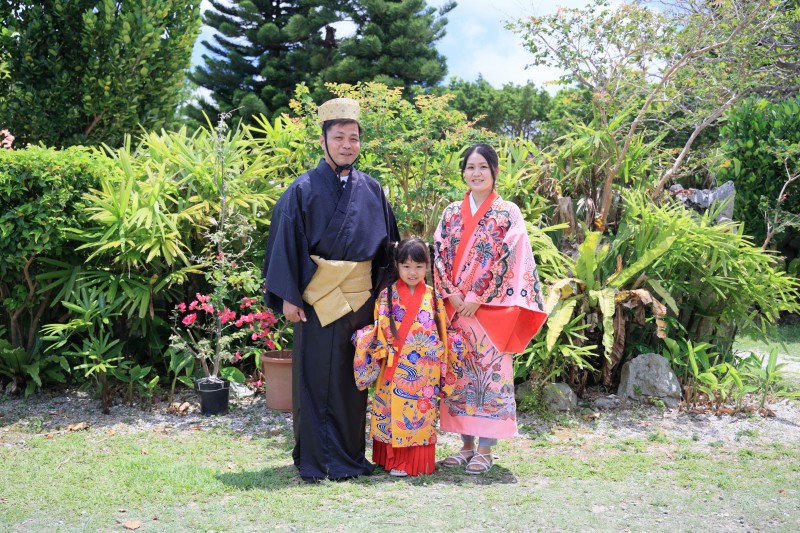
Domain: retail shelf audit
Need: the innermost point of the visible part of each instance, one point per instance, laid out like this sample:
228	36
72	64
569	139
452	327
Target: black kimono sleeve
287	262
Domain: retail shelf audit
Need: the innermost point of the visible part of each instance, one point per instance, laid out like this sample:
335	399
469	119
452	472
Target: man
326	259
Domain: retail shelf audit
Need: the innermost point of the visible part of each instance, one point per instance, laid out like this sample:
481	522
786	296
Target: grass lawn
787	341
217	480
567	474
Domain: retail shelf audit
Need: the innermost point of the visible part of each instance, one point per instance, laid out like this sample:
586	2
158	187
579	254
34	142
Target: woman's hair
488	153
416	250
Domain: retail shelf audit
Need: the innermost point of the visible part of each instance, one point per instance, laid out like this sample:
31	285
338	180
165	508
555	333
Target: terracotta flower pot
276	367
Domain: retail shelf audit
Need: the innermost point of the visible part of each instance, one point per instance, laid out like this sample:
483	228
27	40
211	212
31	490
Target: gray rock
239	390
702	200
560	397
526	387
652	375
606	403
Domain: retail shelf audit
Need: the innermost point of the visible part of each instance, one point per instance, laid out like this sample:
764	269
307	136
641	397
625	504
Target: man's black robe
315	216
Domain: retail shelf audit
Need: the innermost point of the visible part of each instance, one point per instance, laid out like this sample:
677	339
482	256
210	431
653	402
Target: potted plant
210	330
276	367
208	326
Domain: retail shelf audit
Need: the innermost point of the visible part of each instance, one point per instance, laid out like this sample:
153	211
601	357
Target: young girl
415	358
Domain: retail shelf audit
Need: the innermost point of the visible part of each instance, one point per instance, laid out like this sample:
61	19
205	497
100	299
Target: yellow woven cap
339	108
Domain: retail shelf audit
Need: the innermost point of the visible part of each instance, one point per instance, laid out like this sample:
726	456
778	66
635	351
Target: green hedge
752	132
40	202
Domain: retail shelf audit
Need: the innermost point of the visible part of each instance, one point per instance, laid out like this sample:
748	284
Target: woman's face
478	174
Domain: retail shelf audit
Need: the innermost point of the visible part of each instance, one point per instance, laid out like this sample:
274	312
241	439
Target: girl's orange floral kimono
412	371
487	258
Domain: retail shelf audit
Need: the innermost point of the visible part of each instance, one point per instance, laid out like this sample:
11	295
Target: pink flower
269	344
424	405
207	308
201	298
220	255
257	383
193	305
254	336
427	391
237	357
182	307
189	319
227	316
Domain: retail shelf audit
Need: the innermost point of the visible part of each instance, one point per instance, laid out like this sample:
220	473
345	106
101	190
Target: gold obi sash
338	287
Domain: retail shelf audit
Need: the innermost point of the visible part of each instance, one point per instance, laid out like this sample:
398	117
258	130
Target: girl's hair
416	250
488	153
411	248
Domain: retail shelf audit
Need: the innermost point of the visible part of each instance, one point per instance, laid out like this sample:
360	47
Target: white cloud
477	41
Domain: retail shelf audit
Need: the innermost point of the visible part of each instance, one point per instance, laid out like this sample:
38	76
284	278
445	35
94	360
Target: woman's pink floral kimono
487	258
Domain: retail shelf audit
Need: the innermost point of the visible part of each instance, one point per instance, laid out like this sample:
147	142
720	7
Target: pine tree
393	44
261	51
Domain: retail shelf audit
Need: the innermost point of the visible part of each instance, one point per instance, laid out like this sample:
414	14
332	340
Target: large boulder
701	200
560	397
649	374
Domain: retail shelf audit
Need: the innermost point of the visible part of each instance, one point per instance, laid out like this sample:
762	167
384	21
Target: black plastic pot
213	396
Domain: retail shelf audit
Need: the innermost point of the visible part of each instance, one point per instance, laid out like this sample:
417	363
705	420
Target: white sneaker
398	473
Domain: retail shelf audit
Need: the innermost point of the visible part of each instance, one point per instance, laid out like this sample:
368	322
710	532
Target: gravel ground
599	415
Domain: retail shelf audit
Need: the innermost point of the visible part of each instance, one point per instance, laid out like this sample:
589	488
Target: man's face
344	144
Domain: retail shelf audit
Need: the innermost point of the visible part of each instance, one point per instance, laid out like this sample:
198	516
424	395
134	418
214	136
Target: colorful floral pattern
485	389
498	269
405	410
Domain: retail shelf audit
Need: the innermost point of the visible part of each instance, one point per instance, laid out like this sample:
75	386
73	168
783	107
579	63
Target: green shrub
41	201
749	137
146	226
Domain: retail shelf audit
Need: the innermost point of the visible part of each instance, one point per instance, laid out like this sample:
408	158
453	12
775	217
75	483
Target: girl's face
478	174
412	272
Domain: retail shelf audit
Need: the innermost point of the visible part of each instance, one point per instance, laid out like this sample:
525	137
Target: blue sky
478	43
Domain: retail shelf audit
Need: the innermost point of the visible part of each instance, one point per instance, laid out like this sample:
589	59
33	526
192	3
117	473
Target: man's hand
293	313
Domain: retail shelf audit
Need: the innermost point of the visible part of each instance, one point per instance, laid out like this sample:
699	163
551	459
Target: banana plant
603	299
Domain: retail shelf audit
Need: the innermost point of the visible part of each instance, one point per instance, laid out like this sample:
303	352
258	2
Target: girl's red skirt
413	460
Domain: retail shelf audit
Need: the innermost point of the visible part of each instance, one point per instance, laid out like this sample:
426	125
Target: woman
487	275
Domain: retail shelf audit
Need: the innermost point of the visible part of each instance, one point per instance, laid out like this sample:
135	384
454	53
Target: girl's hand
469	309
457	302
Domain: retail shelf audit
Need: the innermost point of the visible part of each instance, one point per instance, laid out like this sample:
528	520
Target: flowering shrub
212	331
245	333
224	326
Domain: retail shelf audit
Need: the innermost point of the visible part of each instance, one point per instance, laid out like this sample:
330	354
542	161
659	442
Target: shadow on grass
271	478
443	476
280	477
